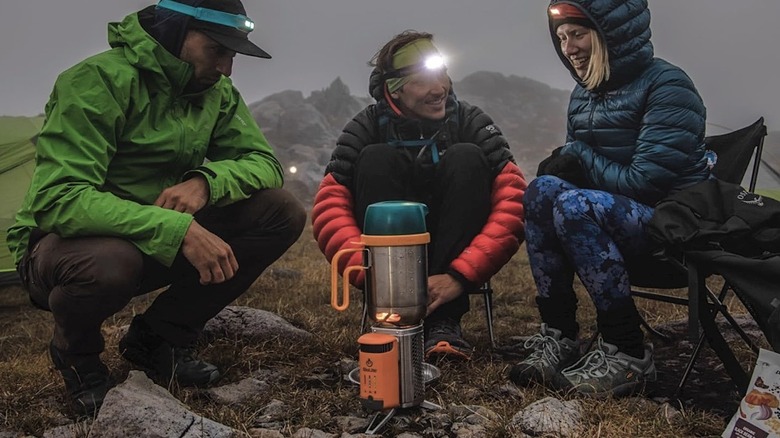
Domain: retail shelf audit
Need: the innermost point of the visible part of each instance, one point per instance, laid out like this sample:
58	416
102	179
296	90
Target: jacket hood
625	27
144	52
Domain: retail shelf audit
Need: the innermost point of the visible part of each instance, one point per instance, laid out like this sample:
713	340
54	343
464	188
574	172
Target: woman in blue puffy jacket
635	133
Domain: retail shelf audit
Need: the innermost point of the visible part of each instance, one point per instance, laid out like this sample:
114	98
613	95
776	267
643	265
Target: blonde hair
598	68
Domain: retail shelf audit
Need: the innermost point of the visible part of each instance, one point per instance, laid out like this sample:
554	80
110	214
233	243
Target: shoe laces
546	348
597	363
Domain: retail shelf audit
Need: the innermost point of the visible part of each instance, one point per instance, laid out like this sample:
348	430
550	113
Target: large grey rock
550	416
138	407
250	323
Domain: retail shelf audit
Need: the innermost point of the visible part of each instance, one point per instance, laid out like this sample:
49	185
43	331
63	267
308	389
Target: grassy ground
31	392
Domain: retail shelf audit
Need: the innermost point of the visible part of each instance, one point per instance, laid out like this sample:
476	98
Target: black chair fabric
734	151
669	269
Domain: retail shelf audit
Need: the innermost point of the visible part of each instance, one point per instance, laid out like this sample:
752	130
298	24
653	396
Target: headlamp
237	21
433	63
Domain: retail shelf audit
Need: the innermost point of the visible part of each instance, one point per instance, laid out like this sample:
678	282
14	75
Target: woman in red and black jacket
419	143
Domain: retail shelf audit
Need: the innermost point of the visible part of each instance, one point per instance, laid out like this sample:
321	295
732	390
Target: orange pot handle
334	278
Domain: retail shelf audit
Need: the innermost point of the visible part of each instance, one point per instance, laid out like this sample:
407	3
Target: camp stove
391	372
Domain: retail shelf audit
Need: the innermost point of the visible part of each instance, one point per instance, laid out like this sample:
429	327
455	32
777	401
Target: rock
669	412
265	433
477	415
266	375
550	416
511	390
250	323
466	430
68	431
238	392
272	415
305	432
351	424
346	365
138	407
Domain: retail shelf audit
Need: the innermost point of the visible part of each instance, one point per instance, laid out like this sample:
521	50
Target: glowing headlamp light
237	21
433	63
555	12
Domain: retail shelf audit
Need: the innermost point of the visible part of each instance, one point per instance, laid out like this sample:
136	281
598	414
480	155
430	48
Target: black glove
541	170
566	167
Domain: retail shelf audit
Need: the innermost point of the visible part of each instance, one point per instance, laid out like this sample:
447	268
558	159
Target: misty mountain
303	130
531	114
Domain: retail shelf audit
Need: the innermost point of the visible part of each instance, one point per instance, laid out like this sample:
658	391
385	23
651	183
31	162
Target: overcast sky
728	47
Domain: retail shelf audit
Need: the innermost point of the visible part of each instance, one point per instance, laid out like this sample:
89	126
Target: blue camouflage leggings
589	232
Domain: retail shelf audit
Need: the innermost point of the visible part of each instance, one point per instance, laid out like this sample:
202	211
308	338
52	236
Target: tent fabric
17	161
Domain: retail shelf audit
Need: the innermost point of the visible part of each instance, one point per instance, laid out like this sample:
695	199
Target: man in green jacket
150	172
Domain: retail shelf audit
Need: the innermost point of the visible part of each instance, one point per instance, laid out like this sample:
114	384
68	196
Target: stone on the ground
138	407
251	323
264	433
550	416
237	392
305	432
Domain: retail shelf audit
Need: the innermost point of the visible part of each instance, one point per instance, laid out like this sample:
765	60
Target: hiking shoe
86	380
157	357
444	337
550	354
606	371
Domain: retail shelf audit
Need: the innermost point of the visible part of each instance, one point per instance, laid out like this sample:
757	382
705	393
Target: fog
726	46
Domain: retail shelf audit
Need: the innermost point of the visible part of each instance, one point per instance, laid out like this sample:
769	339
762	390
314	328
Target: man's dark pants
85	280
456	191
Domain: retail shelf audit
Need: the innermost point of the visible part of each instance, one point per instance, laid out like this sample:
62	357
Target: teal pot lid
395	218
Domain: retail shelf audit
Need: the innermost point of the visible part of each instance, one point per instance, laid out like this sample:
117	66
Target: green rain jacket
119	129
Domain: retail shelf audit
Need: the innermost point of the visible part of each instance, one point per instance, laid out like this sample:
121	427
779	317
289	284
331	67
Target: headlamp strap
238	21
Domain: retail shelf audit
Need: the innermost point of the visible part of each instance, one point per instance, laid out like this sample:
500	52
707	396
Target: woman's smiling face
576	45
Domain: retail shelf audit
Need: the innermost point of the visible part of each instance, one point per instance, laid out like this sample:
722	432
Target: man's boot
86	380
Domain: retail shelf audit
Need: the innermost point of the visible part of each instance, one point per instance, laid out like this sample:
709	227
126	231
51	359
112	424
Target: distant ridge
303	130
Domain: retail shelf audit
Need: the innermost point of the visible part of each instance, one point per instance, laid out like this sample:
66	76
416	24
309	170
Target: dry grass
310	385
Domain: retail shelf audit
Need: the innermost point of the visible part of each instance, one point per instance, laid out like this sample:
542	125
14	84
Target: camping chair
486	290
674	271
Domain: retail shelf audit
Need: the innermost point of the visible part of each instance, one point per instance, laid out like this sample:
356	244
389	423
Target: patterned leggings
589	232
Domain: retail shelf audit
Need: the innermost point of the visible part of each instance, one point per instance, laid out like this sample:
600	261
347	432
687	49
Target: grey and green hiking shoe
606	371
550	355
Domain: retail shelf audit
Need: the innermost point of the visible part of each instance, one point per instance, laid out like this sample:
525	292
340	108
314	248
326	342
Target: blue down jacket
641	133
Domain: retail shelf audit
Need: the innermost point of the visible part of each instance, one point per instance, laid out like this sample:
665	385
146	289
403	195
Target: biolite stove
391	371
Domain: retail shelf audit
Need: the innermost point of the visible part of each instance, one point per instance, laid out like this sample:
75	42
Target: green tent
17	160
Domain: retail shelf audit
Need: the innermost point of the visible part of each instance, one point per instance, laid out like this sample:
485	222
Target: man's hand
186	197
210	255
442	288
